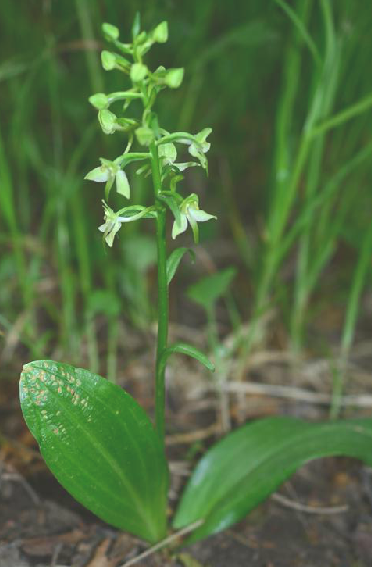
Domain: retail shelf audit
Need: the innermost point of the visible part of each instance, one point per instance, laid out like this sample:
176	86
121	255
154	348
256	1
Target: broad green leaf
174	259
100	445
209	289
248	465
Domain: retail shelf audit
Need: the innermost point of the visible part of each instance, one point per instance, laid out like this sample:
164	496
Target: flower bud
107	119
160	33
99	101
110	32
141	38
108	60
174	78
145	136
138	72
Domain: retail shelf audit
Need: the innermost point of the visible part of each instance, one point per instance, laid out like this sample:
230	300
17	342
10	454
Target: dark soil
320	517
37	532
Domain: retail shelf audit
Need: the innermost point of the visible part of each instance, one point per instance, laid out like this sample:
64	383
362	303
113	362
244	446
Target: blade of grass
326	80
286	175
362	268
9	214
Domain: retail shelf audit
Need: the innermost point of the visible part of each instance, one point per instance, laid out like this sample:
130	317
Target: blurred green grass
290	185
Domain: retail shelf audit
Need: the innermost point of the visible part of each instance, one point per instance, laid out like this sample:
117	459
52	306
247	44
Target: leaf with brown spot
100	445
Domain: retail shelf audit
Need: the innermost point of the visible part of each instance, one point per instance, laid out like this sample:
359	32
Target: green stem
162	297
175	136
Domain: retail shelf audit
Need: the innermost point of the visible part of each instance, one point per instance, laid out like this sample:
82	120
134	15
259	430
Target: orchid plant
96	439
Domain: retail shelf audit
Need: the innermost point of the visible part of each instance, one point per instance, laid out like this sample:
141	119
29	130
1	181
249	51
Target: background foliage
291	190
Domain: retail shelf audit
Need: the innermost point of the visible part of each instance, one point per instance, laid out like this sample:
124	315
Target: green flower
200	147
113	221
108	173
190	213
168	153
111	225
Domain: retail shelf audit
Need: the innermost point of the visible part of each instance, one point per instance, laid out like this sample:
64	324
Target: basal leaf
248	465
100	445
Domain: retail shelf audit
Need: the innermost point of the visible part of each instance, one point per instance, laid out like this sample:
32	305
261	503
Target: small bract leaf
160	33
138	72
136	26
126	124
189	350
113	61
141	39
159	73
172	203
174	260
100	445
174	78
99	101
245	467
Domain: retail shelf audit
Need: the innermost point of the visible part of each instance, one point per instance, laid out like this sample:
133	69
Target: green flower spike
190	213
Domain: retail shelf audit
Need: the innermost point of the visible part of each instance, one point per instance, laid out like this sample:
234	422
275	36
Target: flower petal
168	152
110	228
203	135
98	174
198	215
185	165
197	152
122	184
180	227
